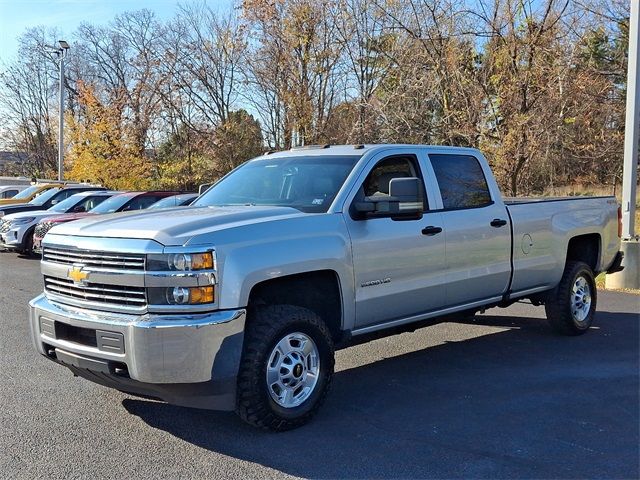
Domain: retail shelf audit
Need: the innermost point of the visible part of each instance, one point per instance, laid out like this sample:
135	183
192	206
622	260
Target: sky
18	15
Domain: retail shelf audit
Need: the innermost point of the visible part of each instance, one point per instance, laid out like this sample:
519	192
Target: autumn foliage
538	85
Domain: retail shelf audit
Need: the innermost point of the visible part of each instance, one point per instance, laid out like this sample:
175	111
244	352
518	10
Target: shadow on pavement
519	403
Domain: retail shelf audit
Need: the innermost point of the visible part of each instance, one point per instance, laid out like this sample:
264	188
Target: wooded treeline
538	85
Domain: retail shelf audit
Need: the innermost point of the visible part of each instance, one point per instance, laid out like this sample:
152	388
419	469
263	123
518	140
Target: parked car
16	229
9	191
239	300
47	199
122	202
27	195
181	200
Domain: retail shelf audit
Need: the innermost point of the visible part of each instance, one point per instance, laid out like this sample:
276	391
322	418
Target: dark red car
123	202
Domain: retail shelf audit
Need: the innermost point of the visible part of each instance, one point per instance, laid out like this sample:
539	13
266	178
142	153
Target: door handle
498	222
431	230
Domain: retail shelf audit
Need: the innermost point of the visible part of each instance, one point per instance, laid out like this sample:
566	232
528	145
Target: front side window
67	204
308	184
377	182
461	180
113	204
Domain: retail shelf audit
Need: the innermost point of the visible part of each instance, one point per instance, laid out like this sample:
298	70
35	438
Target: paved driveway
500	397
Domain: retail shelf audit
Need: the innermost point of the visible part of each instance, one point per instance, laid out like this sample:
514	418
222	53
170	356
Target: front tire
286	367
571	306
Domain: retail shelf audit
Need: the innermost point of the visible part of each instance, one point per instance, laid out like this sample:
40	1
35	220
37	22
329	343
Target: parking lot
500	397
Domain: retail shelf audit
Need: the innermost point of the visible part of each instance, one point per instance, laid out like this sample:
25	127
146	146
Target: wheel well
585	248
318	291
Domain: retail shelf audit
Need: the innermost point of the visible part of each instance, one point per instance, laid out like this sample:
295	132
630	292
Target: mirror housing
404	202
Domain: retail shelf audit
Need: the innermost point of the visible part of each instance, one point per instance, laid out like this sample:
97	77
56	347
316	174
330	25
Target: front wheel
571	306
286	368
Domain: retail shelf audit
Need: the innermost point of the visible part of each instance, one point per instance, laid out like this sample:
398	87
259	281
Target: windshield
67	204
27	192
43	197
308	184
113	204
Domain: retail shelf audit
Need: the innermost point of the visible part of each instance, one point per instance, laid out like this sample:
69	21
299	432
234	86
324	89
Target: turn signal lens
201	294
619	221
190	295
201	261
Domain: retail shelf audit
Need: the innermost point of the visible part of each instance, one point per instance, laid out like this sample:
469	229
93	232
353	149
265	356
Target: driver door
399	265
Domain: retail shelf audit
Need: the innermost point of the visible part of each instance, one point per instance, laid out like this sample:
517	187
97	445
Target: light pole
62	52
630	245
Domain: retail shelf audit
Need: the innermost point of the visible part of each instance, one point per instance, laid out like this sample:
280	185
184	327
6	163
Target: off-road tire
559	301
266	326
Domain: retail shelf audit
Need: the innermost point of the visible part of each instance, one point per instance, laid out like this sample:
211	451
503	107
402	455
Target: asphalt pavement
499	397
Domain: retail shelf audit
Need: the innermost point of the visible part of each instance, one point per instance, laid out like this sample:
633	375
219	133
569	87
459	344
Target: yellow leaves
101	150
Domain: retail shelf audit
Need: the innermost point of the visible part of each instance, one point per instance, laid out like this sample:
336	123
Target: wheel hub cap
293	369
580	299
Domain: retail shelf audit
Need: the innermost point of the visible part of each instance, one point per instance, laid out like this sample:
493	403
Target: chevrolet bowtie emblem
77	275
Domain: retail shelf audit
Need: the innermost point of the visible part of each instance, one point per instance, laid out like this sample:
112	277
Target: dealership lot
500	397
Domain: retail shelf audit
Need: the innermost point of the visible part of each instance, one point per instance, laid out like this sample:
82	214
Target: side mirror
404	202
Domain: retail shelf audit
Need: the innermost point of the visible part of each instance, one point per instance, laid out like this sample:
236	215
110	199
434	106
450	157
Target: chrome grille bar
94	259
115	295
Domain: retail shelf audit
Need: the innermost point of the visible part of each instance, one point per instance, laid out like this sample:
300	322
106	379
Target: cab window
377	182
461	180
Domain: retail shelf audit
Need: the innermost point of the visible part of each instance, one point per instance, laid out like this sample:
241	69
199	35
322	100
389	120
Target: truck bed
521	200
542	227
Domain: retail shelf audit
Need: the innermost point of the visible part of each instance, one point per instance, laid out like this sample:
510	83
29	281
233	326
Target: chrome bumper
155	348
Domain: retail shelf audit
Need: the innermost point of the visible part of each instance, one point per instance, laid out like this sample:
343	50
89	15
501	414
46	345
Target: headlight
181	295
180	262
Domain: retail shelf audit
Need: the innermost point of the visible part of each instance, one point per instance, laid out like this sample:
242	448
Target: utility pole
632	127
630	245
62	52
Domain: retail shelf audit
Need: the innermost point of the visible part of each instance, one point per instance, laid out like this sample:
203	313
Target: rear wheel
286	367
571	306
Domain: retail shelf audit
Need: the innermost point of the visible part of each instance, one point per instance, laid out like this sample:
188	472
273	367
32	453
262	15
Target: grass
600	285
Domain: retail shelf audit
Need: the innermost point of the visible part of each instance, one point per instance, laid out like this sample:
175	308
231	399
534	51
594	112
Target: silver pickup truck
239	301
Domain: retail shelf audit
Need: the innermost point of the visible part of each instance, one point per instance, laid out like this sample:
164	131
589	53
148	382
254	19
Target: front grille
118	261
116	295
5	226
41	229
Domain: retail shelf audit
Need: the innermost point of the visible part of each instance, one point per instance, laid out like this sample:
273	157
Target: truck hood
174	226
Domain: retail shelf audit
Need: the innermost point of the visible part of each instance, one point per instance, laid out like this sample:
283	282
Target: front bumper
12	239
186	359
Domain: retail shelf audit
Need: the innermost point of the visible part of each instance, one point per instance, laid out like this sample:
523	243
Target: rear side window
9	193
461	180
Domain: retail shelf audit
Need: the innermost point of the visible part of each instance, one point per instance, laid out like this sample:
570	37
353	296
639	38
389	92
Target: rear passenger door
477	230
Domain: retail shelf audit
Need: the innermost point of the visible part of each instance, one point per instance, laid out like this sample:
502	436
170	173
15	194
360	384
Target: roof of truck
320	150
